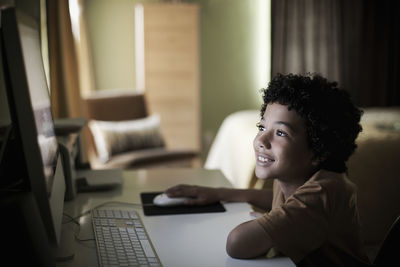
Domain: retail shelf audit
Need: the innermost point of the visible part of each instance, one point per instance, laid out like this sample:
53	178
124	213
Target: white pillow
113	137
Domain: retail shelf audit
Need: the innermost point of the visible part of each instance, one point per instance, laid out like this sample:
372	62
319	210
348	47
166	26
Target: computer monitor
30	110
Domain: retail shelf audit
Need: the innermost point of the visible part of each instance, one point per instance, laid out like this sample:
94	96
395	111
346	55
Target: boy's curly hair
332	120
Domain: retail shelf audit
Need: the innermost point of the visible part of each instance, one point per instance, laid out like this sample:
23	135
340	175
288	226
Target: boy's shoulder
335	188
325	190
332	181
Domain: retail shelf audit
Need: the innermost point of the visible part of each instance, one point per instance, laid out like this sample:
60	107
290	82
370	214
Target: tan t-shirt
318	222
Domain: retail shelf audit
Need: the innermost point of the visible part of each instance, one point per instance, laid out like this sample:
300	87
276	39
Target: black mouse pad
149	209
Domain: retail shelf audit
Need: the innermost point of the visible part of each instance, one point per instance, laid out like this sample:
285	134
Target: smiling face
281	147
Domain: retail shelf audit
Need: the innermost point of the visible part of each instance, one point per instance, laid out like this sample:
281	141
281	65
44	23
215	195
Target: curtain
64	77
305	37
353	42
71	75
82	47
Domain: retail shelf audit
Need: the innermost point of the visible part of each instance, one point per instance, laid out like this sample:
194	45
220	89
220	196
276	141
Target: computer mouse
162	200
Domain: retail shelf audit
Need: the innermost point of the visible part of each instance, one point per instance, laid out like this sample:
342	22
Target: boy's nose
263	140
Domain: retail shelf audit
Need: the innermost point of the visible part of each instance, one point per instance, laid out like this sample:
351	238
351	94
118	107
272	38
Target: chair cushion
114	137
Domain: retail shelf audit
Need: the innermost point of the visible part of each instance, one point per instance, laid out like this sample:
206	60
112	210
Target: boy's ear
317	161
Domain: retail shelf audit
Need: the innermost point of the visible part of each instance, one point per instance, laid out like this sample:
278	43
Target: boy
306	134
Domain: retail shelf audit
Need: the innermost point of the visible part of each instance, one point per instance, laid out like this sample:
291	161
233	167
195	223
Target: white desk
180	240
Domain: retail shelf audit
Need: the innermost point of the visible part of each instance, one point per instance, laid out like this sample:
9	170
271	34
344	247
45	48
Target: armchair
123	135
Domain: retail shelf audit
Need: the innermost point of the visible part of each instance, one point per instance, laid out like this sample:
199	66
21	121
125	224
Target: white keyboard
122	239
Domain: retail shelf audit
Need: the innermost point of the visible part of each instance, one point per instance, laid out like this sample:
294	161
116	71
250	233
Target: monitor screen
5	123
39	95
29	107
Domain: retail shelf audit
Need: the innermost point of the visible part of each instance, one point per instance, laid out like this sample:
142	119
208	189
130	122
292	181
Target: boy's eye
281	133
260	127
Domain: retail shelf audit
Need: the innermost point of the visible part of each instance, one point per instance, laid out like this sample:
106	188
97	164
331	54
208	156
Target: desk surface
180	240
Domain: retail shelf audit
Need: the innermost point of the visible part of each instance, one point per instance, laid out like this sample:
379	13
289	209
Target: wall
232	59
234	55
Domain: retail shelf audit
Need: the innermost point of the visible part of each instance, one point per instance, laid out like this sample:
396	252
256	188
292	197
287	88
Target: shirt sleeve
300	224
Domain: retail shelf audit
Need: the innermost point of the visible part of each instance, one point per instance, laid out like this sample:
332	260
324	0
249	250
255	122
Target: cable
76	222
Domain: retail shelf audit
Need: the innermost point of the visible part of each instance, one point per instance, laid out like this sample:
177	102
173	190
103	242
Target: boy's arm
261	198
248	240
205	195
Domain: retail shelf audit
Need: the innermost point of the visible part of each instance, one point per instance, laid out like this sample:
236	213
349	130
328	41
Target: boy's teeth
264	159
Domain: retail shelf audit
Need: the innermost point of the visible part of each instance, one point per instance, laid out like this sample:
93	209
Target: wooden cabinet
168	68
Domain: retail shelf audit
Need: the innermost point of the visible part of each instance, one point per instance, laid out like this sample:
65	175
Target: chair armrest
146	157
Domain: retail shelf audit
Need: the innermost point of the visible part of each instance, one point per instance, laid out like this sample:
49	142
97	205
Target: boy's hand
198	195
255	214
